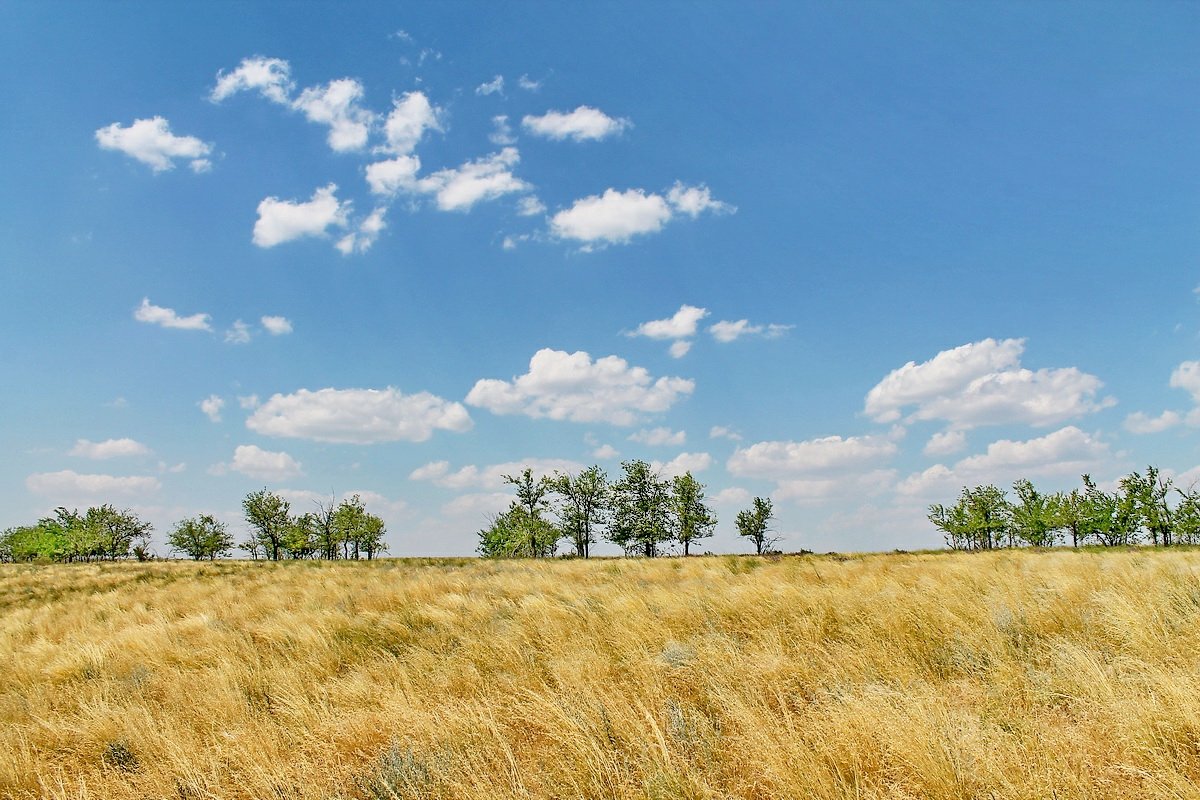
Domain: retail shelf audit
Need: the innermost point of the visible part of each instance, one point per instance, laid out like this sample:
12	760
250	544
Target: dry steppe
1056	674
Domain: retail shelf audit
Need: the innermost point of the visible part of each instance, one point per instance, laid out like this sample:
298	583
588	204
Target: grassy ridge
1006	674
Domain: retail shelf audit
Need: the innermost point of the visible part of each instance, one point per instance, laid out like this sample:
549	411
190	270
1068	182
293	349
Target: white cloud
781	460
211	406
358	416
502	133
680	325
109	448
266	465
238	333
494	86
376	503
725	331
1065	452
721	432
336	104
679	348
583	124
530	206
657	437
477	505
983	384
151	142
270	76
167	318
411	116
70	484
284	220
482	179
695	200
605	452
491	476
360	241
1187	377
394	175
945	443
570	386
684	462
528	84
732	496
614	217
248	402
854	487
1139	422
277	326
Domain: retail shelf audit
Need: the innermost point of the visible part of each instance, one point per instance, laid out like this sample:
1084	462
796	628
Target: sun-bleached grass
995	675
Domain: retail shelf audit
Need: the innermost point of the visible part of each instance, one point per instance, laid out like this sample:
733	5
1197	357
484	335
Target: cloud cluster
659	437
684	324
358	416
492	476
581	125
571	386
983	383
616	217
67	485
109	448
284	220
781	460
265	465
151	142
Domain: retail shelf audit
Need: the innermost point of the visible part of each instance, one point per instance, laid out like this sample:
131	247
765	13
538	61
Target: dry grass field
999	675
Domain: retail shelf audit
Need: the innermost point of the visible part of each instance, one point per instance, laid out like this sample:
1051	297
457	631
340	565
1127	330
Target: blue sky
851	256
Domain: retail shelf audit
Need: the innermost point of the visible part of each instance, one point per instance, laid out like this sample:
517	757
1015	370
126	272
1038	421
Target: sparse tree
1034	517
755	524
1148	495
358	529
200	538
584	506
693	519
1113	519
641	510
269	517
114	533
1070	509
955	524
516	534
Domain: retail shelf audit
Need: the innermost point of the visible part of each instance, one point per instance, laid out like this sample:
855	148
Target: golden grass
999	675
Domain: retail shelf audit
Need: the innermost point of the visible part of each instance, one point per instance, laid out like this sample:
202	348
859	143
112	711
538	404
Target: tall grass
994	675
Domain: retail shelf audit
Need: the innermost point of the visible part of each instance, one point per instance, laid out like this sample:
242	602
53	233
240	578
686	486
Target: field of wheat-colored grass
999	675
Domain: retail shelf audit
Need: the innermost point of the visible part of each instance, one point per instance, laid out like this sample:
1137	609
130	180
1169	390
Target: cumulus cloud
722	432
411	116
151	142
167	318
392	176
336	104
238	333
571	386
109	448
1139	422
502	132
1187	377
818	490
358	416
732	496
492	476
476	504
70	484
945	443
583	124
605	452
494	86
658	437
1063	453
780	460
983	383
528	84
211	406
276	326
282	221
679	348
682	463
695	200
265	465
482	179
725	331
530	206
271	77
680	325
361	240
616	217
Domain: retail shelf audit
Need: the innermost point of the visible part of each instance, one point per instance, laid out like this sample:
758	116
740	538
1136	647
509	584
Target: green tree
641	510
1187	517
755	524
693	519
1070	510
1148	495
516	534
1112	519
955	523
269	518
114	533
301	537
1035	517
360	531
989	515
584	506
40	542
201	537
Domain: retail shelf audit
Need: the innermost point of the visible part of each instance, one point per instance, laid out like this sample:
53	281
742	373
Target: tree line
1143	508
332	531
642	512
